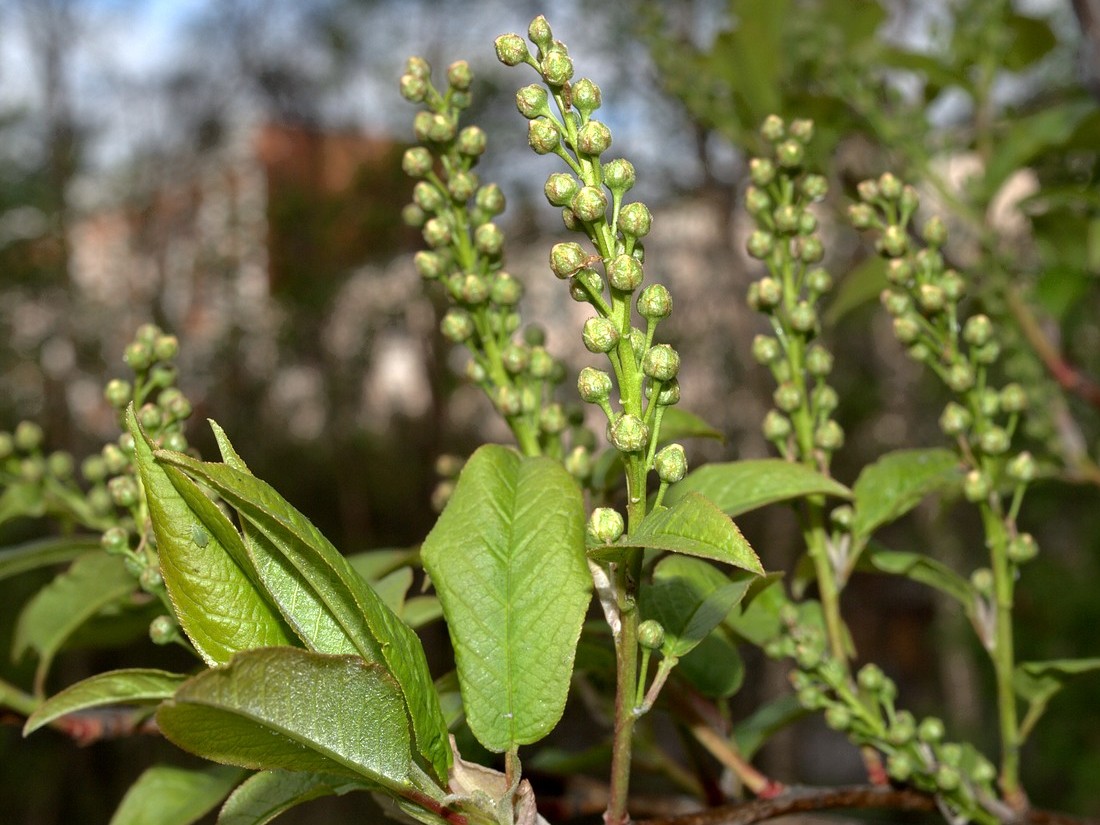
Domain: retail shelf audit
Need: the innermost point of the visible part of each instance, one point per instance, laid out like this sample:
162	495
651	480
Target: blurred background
230	170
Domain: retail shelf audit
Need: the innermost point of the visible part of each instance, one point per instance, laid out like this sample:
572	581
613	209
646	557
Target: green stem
15	699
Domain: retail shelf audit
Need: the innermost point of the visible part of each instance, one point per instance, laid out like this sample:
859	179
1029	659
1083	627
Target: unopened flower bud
28	436
994	441
437	233
776	426
790	153
909	200
457	325
976	486
552	419
430	265
661	363
557	68
629	434
757	201
766	349
151	580
1013	398
987	353
954	287
489	240
459	75
490	199
655	302
669	394
896	303
760	244
441	129
787	397
414	89
635	220
894	241
861	216
115	541
586	96
585	284
428	197
515	358
589	204
509	401
599	335
960	377
955	419
807	224
803	317
594	138
123	490
931	298
567	258
543	136
605	525
162	630
786	218
670	463
1022	549
539	32
138	356
625	273
93	469
651	635
506	290
814	187
579	463
474	289
772	130
829	436
934	232
761	172
619	175
471	141
819	361
511	49
561	188
533	102
842	517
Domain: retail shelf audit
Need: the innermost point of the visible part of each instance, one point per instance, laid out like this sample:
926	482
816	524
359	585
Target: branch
803	800
90	726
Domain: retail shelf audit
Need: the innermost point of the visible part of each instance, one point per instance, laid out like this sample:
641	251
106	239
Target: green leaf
392	588
921	568
92	583
322	597
739	486
677	423
758	622
694	526
43	553
287	708
689	598
203	562
1039	681
753	732
135	686
896	483
860	286
1032	40
374	564
21	499
167	795
266	795
507	559
421	610
714	667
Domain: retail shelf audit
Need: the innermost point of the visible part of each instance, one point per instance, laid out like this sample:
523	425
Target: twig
90	726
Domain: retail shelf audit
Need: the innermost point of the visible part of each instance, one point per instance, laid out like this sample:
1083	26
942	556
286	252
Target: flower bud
757	201
471	141
814	187
28	436
789	154
115	541
508	400
893	242
489	240
838	717
593	138
825	398
934	232
976	486
543	136
809	249
960	377
829	436
651	635
533	102
655	302
552	419
567	258
579	463
1013	398
954	287
931	298
511	49
907	329
93	469
989	402
473	289
896	303
987	353
629	434
176	442
625	273
994	441
586	96
1022	468
462	185
899	766
786	218
903	729
138	355
489	199
787	397
947	778
589	204
430	265
457	325
585	284
515	358
413	215
123	490
931	730
761	172
428	197
861	216
670	463
542	364
803	317
760	244
955	420
114	458
150	417
441	129
842	517
772	129
162	630
151	580
766	349
668	396
459	75
560	188
557	68
437	233
539	32
635	220
506	290
776	426
619	175
819	361
414	89
661	363
605	525
909	200
599	335
1022	549
801	129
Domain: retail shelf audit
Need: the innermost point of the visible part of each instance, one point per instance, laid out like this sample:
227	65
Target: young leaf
316	588
694	526
203	563
689	598
297	710
43	553
925	570
92	583
896	483
266	795
714	667
1039	682
167	795
507	558
135	686
739	486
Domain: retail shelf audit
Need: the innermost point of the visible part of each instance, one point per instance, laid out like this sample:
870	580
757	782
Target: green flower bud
772	130
150	417
909	200
903	730
1013	398
661	363
894	242
457	325
619	175
928	261
476	373
868	190
629	434
441	129
668	396
801	129
539	32
413	215
166	347
635	220
814	187
1022	468
988	353
32	469
761	172
162	630
459	75
561	188
151	580
511	50
651	635
899	272
552	419
506	290
760	244
787	397
994	441
808	249
861	216
931	730
430	265
947	778
115	541
418	67
960	377
542	363
508	401
138	356
567	258
176	442
625	273
766	350
579	463
571	221
599	335
757	201
786	218
589	204
489	240
989	402
807	223
655	302
533	102
414	89
983	771
437	233
586	96
776	426
605	525
557	68
422	126
428	197
819	361
123	490
829	436
803	317
471	141
954	287
896	303
594	138
899	766
790	153
955	420
115	459
28	436
489	199
825	398
584	284
100	500
93	469
976	486
1022	549
809	697
543	136
934	232
889	186
982	580
462	185
474	290
842	518
907	329
515	358
838	717
670	463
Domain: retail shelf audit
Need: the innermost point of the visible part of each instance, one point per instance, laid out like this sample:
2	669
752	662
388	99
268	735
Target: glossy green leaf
739	486
203	563
925	570
43	553
690	598
393	587
93	582
167	795
1039	681
266	795
714	667
507	559
374	564
287	708
134	686
421	610
758	621
694	526
896	483
322	597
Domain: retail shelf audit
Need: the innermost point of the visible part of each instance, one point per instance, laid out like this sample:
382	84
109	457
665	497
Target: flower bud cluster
780	200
